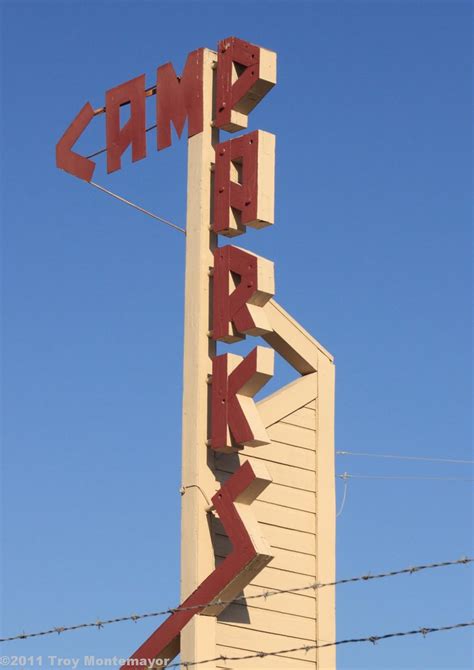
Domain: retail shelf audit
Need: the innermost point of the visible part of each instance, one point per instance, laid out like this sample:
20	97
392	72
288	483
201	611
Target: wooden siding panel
284	517
278	452
264	663
292	561
284	454
288	400
246	639
286	512
284	475
304	417
268	621
302	604
289	497
271	578
280	538
296	436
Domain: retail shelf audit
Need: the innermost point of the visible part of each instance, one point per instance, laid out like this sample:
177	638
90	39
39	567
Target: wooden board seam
267	460
258	630
287	486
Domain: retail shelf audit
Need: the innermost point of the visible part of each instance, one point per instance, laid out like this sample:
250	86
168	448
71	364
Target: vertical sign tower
295	513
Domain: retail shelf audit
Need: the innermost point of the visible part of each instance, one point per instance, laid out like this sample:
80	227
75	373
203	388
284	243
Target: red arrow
250	554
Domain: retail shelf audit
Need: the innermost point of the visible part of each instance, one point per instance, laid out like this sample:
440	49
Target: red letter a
133	132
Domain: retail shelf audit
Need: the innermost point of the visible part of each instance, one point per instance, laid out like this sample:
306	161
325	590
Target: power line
265	594
140	209
346	476
405	458
308	647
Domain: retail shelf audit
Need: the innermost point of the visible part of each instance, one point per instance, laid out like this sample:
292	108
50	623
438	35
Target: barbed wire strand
265	594
405	458
308	647
347	475
135	206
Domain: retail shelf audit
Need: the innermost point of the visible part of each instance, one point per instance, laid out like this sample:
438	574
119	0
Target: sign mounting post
197	638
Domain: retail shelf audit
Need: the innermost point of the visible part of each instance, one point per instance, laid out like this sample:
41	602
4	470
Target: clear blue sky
372	114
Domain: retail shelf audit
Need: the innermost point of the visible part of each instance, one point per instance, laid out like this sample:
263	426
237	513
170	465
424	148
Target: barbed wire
314	586
308	647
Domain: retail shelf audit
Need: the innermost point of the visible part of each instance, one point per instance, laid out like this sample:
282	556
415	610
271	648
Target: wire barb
265	594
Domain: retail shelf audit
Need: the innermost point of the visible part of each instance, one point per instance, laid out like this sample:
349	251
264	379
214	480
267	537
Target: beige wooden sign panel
296	515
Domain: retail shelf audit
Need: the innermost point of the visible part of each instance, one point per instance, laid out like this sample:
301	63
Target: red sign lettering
239	197
133	132
69	160
243	284
250	553
245	74
235	421
179	98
